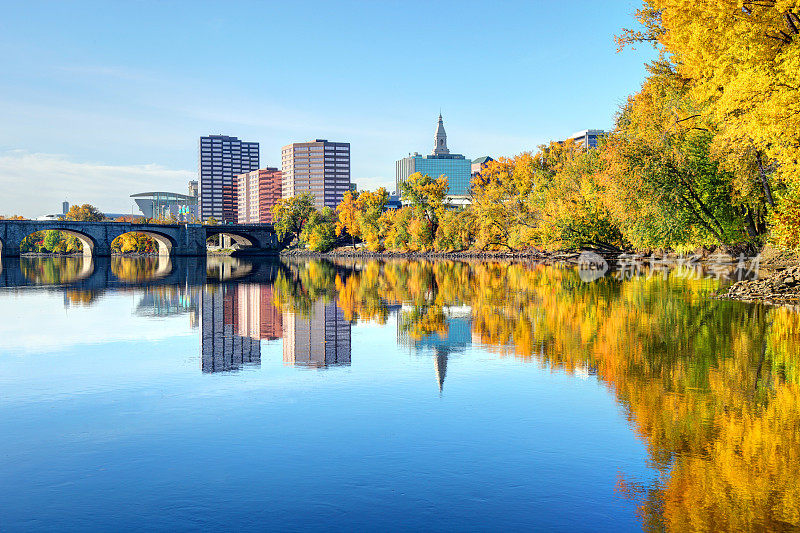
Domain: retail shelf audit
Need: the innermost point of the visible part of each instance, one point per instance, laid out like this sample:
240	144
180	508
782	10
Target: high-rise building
319	340
220	159
320	168
440	162
258	192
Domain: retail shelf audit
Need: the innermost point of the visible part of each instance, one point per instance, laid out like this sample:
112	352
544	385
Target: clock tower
440	146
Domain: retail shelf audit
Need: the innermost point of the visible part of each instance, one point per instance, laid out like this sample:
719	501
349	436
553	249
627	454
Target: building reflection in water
235	318
256	316
458	321
318	340
168	300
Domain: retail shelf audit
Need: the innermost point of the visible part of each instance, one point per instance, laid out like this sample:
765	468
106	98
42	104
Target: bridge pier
10	245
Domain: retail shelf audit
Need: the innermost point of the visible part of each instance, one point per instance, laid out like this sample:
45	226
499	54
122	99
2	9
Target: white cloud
374	182
34	184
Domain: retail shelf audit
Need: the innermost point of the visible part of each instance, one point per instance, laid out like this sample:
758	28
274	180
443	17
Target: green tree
663	187
291	214
51	240
319	232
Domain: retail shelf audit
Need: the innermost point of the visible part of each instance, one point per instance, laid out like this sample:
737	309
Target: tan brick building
320	168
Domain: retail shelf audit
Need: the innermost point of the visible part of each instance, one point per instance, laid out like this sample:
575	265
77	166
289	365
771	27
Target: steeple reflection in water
453	334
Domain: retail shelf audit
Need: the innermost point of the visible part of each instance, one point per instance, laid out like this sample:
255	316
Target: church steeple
440	148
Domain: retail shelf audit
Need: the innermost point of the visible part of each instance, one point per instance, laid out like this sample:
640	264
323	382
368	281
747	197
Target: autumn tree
84	213
134	242
32	242
371	208
504	203
395	228
426	196
347	216
741	63
456	231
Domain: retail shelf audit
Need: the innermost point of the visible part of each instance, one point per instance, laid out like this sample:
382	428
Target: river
400	395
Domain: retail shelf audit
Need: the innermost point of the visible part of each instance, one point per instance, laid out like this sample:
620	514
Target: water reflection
453	333
224	346
319	337
711	387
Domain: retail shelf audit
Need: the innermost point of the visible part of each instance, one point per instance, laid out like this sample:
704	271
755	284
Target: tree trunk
751	226
764	180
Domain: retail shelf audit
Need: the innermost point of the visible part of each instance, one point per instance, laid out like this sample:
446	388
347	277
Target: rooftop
163	195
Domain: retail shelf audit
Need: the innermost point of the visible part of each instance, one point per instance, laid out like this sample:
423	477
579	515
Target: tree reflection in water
712	387
54	270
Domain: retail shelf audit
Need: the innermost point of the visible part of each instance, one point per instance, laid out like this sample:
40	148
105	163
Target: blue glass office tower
456	167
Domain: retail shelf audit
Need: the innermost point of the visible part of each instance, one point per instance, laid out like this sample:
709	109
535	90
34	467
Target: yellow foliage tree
347	216
741	60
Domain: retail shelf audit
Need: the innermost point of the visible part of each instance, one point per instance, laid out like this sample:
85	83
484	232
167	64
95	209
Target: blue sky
102	100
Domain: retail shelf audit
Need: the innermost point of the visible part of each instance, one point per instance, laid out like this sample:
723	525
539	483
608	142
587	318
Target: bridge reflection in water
231	301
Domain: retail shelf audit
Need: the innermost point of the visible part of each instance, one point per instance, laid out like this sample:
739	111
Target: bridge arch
240	237
88	243
164	243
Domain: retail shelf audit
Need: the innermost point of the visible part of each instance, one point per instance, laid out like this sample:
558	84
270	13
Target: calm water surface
185	394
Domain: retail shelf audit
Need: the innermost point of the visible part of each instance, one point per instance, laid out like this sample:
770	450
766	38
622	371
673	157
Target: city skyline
113	103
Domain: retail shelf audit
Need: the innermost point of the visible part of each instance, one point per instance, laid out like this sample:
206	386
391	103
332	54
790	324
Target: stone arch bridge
172	239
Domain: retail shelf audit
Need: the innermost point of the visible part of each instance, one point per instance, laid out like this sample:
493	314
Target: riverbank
769	257
781	287
776	272
535	255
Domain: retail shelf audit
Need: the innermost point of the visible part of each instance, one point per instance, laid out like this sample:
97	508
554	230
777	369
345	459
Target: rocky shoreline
538	256
780	287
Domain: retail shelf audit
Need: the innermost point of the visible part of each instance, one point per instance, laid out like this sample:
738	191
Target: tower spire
440	141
